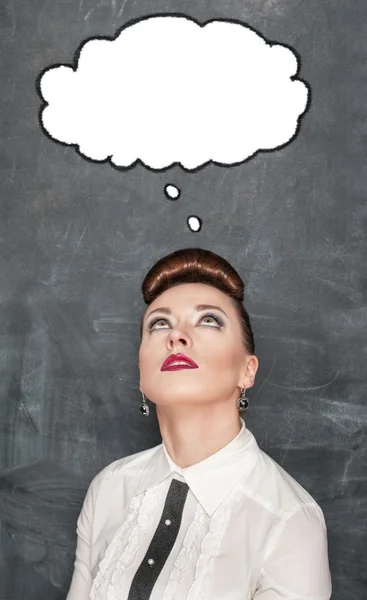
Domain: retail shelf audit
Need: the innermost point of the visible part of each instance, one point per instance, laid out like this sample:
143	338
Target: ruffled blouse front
235	526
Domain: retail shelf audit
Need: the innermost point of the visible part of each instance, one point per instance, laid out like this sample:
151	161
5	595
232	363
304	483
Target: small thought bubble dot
172	192
194	223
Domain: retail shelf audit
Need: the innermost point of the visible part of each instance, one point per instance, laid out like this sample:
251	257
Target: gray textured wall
76	239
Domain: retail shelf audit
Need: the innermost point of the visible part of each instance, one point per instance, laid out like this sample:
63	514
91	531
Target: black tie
162	542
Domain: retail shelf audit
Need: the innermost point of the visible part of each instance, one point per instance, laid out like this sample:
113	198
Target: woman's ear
249	371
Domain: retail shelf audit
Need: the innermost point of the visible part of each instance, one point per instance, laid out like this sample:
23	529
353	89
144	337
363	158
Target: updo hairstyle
196	265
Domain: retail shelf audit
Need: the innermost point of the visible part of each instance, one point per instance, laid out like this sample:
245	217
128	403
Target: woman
206	514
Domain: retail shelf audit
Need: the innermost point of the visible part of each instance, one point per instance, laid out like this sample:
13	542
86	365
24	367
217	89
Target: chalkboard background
78	237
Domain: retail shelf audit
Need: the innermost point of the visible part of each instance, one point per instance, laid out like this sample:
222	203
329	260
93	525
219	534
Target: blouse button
167	522
151	561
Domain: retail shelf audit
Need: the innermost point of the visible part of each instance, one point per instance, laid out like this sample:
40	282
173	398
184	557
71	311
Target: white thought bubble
172	192
194	223
168	90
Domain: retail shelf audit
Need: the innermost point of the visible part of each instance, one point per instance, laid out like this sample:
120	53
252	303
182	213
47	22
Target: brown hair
196	265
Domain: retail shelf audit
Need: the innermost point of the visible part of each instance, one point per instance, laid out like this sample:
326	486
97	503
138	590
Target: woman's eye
155	323
213	317
210	317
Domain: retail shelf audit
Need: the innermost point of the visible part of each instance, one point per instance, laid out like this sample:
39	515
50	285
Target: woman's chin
182	396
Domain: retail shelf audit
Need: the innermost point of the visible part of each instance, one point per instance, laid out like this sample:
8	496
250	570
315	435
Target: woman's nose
178	335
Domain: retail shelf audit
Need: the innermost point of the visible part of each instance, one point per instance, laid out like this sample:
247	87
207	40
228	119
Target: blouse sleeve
81	583
296	565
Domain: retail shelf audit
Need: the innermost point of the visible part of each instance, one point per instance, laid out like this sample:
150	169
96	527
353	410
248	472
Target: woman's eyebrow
198	307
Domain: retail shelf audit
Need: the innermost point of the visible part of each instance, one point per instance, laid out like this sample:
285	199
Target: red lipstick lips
169	363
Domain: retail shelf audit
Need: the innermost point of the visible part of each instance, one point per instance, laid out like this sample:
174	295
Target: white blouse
235	526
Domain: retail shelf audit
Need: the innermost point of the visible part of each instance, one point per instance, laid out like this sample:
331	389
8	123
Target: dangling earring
242	402
144	408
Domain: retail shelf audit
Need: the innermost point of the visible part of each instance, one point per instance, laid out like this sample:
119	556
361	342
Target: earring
242	402
144	408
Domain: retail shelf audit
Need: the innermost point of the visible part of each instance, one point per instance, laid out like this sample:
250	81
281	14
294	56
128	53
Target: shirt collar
211	479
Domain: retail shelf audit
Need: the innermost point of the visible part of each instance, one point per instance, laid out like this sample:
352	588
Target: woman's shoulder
117	468
107	488
281	491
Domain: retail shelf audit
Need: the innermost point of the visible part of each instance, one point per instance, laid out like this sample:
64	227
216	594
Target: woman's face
216	347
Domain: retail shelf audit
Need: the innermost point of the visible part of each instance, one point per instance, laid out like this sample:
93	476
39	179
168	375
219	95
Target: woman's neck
191	438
